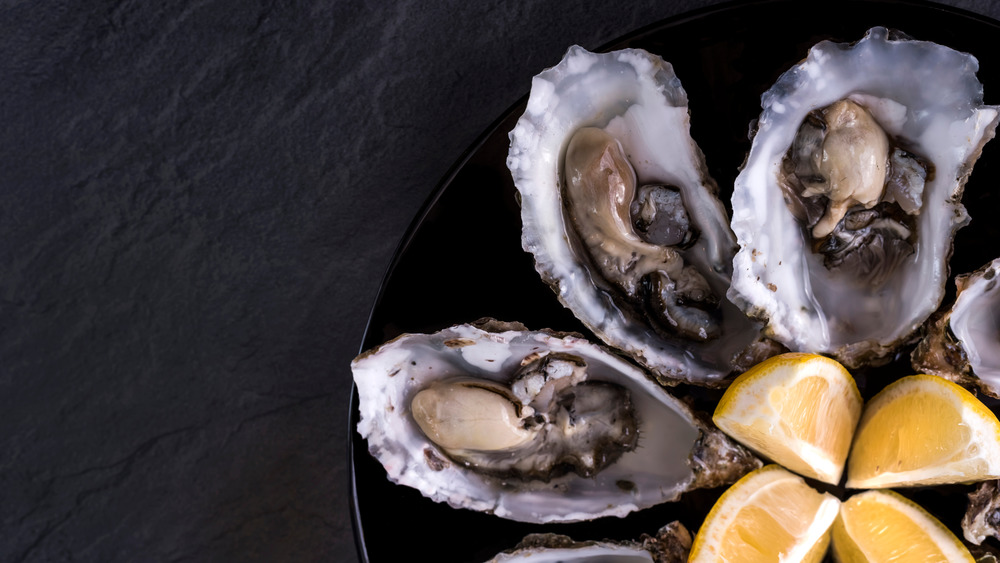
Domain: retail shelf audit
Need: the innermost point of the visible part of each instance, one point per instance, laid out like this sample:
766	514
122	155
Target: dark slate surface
198	201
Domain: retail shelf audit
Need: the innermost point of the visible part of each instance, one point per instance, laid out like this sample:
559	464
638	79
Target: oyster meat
622	218
850	197
961	343
532	426
670	545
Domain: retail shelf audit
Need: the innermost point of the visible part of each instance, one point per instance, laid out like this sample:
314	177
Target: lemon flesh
799	410
882	526
924	430
768	515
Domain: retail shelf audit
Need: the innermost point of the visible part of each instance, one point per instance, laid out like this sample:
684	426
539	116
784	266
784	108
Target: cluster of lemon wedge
804	412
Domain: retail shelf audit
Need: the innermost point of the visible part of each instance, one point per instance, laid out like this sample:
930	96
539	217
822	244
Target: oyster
532	426
961	342
670	545
850	197
982	518
622	218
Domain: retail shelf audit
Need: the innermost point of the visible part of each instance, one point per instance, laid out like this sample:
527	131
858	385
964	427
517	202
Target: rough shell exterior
982	519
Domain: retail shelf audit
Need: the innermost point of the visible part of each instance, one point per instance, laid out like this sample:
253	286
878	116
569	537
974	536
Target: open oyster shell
670	545
982	517
961	341
622	218
676	450
852	269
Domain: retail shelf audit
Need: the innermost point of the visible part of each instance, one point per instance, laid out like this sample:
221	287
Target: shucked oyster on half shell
532	426
963	342
849	200
670	545
982	517
622	218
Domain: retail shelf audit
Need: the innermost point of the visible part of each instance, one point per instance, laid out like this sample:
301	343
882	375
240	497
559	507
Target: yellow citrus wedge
769	515
799	410
877	526
924	430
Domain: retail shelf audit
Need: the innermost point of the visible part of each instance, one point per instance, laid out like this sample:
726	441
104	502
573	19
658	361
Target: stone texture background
198	200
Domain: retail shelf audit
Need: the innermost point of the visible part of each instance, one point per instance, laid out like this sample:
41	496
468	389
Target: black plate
462	258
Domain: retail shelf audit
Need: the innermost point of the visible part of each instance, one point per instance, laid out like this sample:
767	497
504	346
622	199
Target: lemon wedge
924	430
877	526
799	410
770	514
